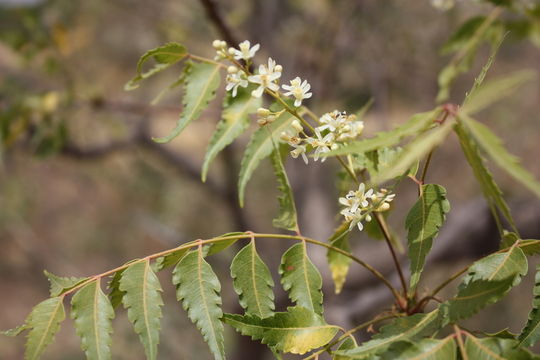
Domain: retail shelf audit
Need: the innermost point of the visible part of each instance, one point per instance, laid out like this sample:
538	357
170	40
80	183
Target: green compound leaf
253	282
198	287
201	82
400	329
348	344
219	246
142	299
426	349
493	146
287	218
339	263
164	56
416	124
44	322
512	263
413	152
531	332
491	190
301	279
423	223
59	285
495	90
296	331
234	121
93	314
495	349
260	146
170	259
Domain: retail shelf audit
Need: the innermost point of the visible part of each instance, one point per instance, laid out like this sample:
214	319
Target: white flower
382	200
343	126
359	204
221	47
321	144
246	52
298	89
299	150
266	77
234	79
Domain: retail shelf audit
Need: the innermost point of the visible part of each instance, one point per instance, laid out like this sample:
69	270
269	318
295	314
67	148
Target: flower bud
263	112
285	137
278	68
297	126
231	51
216	44
232	69
270	119
262	122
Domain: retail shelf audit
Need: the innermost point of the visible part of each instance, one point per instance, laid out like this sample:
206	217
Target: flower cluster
360	204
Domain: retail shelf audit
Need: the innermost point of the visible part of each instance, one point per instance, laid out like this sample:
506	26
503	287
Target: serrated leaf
348	344
201	82
339	263
59	284
416	124
423	223
219	246
16	331
287	218
253	282
260	146
301	279
495	90
531	332
414	151
498	266
164	56
296	331
143	302
198	287
495	349
400	329
93	314
426	349
44	321
234	121
493	146
170	259
490	189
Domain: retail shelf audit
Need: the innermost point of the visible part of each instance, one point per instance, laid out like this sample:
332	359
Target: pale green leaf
16	330
495	90
423	223
142	299
164	56
495	349
93	314
348	344
530	246
498	266
493	146
219	246
426	349
234	121
296	331
44	321
287	218
339	263
260	146
531	332
301	279
59	285
171	259
400	329
201	82
253	282
414	151
198	287
491	190
416	124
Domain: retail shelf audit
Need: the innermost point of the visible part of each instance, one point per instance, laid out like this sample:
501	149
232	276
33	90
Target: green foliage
164	56
531	332
253	282
400	329
260	146
198	287
58	284
296	331
490	189
222	245
286	218
423	223
495	349
426	349
142	299
171	259
418	123
93	314
349	343
492	145
201	82
301	278
234	121
43	322
339	263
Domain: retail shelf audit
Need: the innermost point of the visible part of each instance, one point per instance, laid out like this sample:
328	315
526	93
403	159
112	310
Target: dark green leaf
495	349
426	349
219	246
58	284
44	322
287	218
339	263
531	332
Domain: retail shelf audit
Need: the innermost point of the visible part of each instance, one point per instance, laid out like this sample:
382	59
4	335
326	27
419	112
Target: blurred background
83	188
